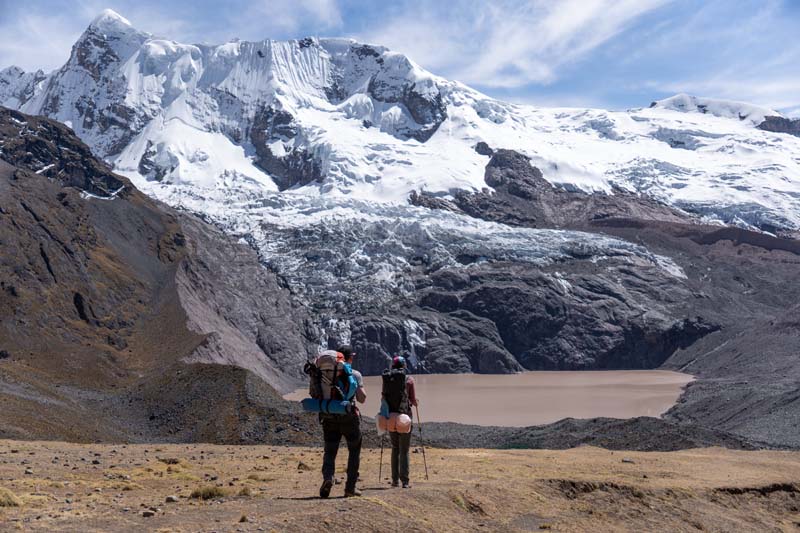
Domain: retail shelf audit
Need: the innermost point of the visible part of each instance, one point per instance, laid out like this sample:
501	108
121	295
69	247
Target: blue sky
603	53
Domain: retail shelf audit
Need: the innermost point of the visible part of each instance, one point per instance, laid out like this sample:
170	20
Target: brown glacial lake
533	398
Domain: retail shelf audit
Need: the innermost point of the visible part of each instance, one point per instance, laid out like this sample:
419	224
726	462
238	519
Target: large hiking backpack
331	383
394	391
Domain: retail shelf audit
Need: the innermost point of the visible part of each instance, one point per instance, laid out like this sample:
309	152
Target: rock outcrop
522	197
781	125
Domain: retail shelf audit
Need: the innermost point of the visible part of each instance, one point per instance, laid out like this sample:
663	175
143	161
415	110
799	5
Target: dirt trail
70	487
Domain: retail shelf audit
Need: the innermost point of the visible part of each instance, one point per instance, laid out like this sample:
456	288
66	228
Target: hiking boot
350	493
406	485
325	489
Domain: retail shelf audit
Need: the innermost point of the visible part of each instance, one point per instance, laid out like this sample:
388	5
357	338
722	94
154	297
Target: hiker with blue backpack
334	389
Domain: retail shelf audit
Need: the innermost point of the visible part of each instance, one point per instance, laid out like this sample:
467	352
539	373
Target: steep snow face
339	119
122	89
88	92
170	147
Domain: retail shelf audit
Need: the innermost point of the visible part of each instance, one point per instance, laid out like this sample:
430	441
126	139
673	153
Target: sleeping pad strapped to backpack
331	386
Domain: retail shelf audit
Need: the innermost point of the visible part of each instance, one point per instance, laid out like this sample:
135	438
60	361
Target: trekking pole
422	441
380	468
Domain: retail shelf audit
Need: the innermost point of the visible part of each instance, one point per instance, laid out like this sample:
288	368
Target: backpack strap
351	387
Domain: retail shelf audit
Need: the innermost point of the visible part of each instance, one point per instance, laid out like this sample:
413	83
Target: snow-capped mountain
340	118
409	214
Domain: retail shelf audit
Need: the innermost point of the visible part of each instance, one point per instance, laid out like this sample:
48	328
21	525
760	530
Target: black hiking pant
401	442
334	427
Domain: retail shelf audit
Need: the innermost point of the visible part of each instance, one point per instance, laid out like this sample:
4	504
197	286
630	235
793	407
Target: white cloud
751	58
506	44
274	18
32	41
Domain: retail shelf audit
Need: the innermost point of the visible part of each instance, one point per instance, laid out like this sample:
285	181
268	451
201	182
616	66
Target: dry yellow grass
585	489
208	493
8	498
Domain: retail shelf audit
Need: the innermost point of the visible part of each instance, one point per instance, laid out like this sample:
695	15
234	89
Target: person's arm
412	392
361	394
